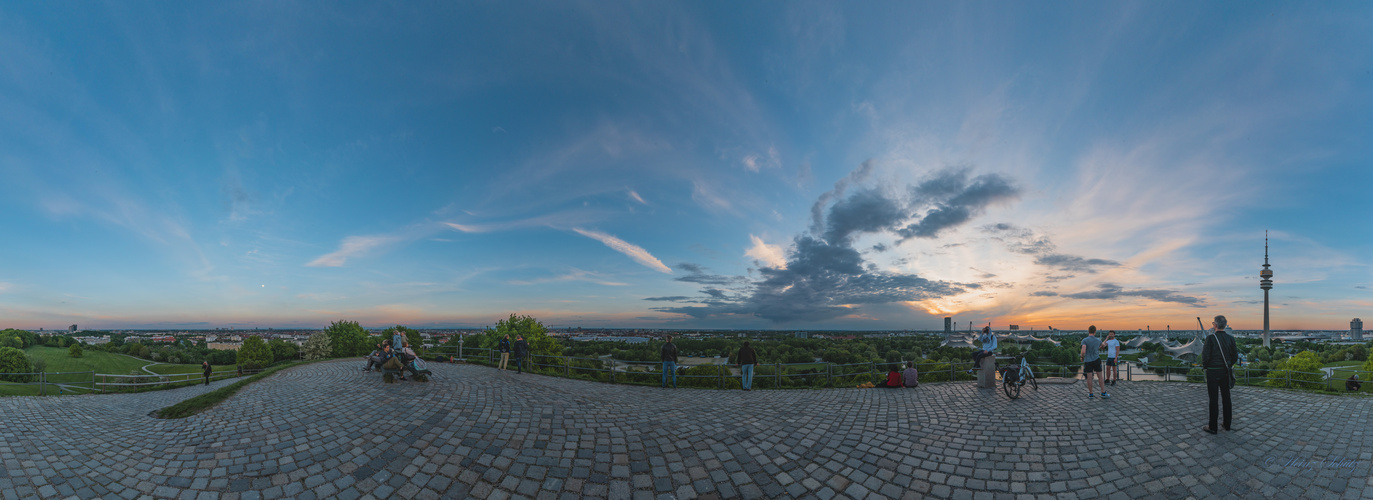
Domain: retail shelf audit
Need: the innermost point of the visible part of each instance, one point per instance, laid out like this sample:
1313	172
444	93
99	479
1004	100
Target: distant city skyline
769	165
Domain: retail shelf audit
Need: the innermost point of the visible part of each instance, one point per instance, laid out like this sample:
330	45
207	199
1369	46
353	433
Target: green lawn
1342	363
171	369
59	360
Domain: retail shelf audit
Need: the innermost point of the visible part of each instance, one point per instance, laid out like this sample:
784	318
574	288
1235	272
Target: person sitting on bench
374	359
1353	383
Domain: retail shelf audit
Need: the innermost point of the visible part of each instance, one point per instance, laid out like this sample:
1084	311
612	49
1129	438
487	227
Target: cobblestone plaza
328	431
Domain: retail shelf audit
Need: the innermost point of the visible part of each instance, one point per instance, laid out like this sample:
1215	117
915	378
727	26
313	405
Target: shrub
1196	375
318	346
535	334
74	351
1304	367
347	338
254	354
14	361
282	350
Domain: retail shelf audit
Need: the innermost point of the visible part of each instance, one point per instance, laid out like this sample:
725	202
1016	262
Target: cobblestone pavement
327	431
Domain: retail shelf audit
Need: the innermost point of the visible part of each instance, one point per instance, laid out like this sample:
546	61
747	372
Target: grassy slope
101	362
170	369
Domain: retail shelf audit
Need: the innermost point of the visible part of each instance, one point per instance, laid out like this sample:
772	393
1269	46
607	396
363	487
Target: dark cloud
697	274
825	277
985	275
674	298
949	199
1074	263
866	211
1361	287
715	293
1044	293
879	248
1110	291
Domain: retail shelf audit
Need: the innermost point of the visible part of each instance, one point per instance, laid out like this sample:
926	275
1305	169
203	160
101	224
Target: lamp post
1266	283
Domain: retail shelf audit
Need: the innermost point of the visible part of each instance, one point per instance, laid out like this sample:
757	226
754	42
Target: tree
254	354
347	338
75	351
318	346
535	334
282	350
1368	365
12	362
1305	366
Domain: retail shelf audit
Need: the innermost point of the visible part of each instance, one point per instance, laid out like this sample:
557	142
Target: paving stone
301	434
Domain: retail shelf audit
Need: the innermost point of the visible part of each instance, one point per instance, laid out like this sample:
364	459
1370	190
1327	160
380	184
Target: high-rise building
72	329
1356	329
948	325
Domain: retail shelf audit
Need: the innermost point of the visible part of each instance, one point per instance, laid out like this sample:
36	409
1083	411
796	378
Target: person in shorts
1112	373
1091	362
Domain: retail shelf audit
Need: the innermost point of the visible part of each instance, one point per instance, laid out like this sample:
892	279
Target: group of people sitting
908	378
398	349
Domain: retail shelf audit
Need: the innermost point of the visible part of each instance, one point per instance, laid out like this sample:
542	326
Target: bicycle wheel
1012	389
1033	383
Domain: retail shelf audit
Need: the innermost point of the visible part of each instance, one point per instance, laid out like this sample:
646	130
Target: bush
1304	367
74	351
39	364
1196	375
318	346
535	334
282	350
347	338
254	355
14	361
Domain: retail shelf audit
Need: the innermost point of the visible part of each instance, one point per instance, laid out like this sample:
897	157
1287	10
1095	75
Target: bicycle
1014	377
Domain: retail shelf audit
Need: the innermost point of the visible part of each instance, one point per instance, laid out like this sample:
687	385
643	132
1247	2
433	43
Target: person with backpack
206	366
521	350
1218	357
504	347
747	357
669	357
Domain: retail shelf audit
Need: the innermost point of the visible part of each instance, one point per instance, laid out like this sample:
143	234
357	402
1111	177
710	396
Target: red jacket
893	379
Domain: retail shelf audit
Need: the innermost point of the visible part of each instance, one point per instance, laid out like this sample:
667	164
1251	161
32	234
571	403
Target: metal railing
58	383
719	374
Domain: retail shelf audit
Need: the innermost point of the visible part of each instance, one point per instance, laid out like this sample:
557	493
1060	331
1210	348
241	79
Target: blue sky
786	165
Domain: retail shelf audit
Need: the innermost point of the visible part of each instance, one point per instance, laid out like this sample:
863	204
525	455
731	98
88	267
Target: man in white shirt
1112	358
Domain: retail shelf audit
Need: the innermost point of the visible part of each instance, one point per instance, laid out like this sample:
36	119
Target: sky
758	165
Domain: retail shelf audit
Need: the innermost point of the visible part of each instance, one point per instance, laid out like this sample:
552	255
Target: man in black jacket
669	362
1218	356
504	347
521	350
747	357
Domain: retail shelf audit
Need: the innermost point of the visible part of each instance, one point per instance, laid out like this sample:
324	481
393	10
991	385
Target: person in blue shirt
397	339
988	340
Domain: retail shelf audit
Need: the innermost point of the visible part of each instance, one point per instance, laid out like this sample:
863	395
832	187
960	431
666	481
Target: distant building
72	329
948	325
1356	329
802	335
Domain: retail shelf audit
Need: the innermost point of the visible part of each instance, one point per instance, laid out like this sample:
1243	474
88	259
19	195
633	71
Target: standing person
1112	373
1091	362
521	350
397	340
669	357
504	348
910	377
1218	355
747	357
988	340
205	365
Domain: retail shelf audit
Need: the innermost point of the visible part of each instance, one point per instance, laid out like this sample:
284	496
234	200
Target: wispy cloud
353	246
635	196
574	275
633	251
